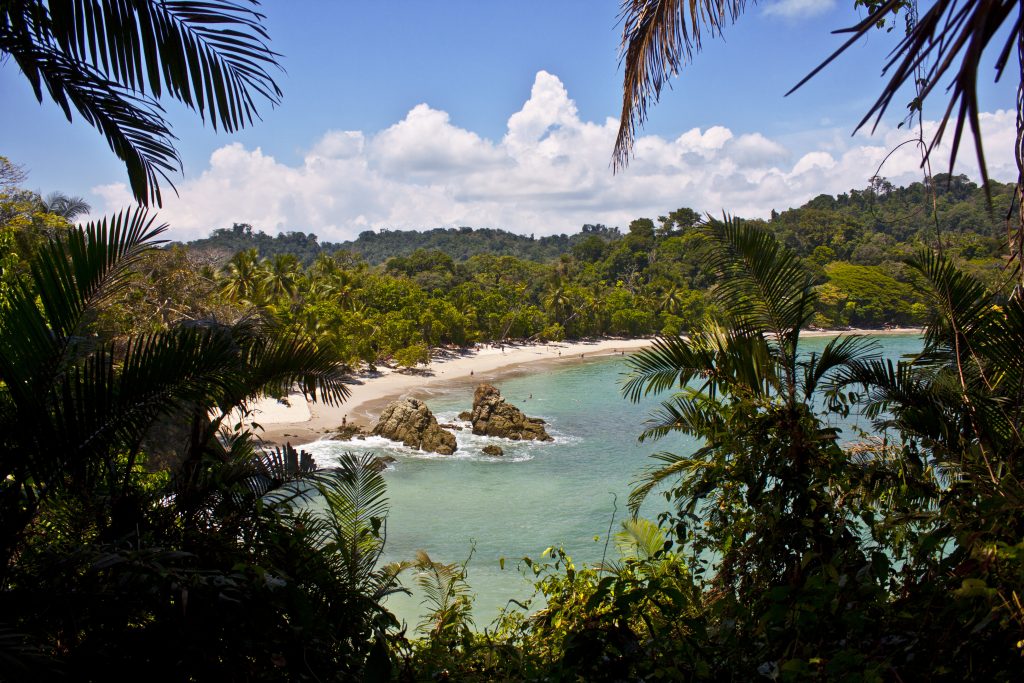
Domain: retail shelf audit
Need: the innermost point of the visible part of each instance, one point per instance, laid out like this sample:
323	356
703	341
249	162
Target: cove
538	494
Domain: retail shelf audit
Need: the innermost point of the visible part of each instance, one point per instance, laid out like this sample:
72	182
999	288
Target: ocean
563	493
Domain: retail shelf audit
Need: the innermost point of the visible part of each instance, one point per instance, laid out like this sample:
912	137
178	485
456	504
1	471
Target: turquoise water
537	495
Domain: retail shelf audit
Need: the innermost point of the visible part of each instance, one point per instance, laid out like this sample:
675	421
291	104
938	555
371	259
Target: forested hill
865	227
377	247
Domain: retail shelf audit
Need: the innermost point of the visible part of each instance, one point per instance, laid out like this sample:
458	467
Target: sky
409	114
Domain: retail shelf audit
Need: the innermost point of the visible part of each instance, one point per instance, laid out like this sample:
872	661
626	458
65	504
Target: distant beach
298	421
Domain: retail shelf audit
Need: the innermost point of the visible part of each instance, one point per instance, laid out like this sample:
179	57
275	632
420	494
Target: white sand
302	422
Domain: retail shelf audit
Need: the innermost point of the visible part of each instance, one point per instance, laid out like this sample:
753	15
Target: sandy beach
299	421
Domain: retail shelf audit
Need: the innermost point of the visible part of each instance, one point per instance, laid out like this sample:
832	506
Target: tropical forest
681	442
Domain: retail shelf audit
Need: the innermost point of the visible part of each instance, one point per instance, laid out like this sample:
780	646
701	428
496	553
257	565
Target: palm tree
281	274
955	467
959	406
346	528
242	281
227	527
765	473
114	61
69	208
671	300
557	301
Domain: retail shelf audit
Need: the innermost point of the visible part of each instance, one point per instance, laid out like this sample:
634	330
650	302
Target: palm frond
962	303
839	354
674	466
447	596
72	274
690	411
640	539
57	376
280	476
132	125
211	56
112	60
66	206
354	495
108	400
725	360
949	40
658	38
278	362
669	363
761	283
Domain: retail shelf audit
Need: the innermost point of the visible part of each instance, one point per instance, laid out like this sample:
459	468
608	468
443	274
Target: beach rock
381	462
493	416
466	416
412	423
452	426
347	433
493	450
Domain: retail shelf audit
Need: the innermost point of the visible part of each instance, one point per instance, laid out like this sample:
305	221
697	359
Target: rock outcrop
381	462
348	432
411	422
493	450
493	416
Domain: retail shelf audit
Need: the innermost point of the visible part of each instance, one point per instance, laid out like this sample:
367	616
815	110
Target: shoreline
299	422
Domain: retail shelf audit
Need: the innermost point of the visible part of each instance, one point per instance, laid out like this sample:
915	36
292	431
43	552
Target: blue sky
414	114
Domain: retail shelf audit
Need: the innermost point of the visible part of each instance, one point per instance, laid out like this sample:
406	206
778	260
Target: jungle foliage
146	531
465	286
786	552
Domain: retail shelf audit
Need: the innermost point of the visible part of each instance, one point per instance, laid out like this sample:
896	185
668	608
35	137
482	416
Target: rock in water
493	416
380	463
493	450
412	423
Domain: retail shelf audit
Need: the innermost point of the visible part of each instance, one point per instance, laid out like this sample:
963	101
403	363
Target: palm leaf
761	283
669	362
674	466
690	411
658	38
132	125
639	539
962	302
113	59
355	507
726	360
278	362
71	275
950	39
447	596
840	353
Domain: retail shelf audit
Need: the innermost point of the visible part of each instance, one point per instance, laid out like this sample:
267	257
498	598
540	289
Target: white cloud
798	9
550	173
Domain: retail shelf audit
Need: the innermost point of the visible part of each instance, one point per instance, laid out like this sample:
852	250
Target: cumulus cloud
798	9
548	174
